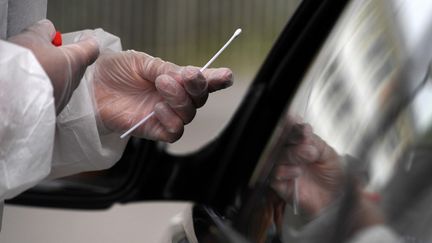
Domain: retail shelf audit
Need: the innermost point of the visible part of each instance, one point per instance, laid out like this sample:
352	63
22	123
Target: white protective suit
34	143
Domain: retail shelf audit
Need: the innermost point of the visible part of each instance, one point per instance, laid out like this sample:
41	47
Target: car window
350	158
184	32
189	33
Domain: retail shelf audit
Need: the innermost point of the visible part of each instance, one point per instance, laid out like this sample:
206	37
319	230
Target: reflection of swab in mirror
296	183
236	33
295	196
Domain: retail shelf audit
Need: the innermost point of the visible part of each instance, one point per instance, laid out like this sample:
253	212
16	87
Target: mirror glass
350	161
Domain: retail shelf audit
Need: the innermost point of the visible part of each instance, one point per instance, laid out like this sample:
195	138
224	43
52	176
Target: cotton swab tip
237	32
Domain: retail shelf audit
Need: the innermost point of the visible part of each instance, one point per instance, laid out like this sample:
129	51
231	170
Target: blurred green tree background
187	32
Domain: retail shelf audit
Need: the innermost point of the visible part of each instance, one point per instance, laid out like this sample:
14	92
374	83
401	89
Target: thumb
45	29
84	52
78	57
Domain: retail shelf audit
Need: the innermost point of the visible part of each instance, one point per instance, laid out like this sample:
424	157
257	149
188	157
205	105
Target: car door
216	173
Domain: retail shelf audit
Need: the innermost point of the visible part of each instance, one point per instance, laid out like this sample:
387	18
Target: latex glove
316	166
64	65
129	85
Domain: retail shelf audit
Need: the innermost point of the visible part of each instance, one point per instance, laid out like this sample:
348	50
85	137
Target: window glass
350	161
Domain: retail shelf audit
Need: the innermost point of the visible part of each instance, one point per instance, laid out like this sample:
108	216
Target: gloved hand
65	65
129	85
314	163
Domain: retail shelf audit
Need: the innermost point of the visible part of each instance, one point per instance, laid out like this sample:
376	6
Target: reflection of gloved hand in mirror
316	166
65	65
320	177
129	85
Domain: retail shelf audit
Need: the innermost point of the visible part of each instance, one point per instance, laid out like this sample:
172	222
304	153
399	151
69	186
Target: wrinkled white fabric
81	142
23	13
16	15
33	142
27	121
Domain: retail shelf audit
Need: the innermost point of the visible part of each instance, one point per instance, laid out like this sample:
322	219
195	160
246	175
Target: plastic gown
34	142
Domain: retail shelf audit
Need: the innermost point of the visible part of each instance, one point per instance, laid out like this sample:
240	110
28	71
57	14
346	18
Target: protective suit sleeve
23	13
27	120
81	141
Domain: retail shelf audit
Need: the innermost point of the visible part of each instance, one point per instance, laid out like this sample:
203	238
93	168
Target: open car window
189	33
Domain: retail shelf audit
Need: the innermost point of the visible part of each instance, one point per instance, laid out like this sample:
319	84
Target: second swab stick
236	33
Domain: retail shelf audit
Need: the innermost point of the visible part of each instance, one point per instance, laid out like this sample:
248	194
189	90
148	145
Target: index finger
149	68
195	85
